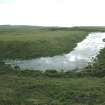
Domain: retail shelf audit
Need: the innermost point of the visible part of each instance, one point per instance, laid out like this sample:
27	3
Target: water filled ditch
79	58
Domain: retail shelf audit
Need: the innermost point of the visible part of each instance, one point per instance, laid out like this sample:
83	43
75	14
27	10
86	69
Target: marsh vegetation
28	87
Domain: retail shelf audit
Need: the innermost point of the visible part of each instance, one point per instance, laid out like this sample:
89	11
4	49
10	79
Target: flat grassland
33	88
33	42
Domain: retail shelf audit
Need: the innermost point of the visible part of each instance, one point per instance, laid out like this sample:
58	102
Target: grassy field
35	88
23	42
49	88
26	42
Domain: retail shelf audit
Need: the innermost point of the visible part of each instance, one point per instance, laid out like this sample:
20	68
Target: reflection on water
76	59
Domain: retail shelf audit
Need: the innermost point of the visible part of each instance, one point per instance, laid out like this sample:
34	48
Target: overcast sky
53	12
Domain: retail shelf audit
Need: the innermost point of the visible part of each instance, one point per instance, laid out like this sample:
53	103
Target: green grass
31	88
21	42
97	69
26	42
49	88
